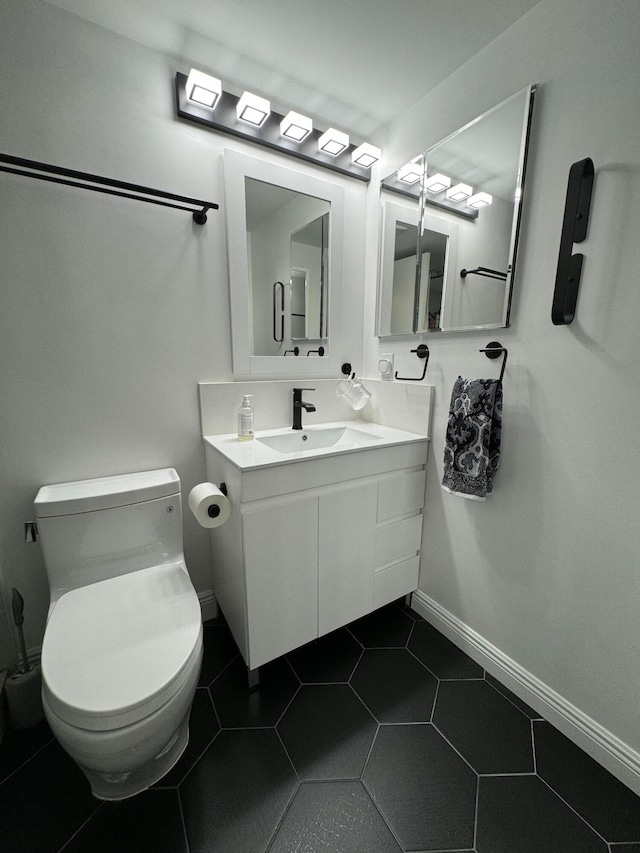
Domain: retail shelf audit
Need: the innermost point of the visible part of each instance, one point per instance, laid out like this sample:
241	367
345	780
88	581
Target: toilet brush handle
17	604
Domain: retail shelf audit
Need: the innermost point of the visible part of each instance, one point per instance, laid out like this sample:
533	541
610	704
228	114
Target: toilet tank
92	530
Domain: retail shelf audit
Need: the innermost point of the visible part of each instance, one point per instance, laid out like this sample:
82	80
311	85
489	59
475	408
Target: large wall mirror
460	272
284	241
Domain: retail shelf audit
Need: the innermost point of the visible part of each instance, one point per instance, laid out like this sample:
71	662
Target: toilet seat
117	650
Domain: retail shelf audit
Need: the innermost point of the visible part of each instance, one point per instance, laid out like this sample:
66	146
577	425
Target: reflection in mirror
410	293
283	225
488	157
287	234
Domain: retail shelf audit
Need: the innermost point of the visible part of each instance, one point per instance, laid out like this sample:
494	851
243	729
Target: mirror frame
237	167
426	205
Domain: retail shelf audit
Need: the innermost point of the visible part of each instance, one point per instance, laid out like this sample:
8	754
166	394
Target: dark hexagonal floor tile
44	802
203	727
440	655
425	791
515	700
219	650
327	732
394	686
520	814
330	659
333	817
239	707
484	727
384	628
236	795
604	802
150	821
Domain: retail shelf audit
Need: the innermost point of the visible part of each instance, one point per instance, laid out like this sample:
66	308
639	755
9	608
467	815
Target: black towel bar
494	349
109	186
486	272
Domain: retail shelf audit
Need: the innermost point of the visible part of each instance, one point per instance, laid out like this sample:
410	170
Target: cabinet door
346	559
281	565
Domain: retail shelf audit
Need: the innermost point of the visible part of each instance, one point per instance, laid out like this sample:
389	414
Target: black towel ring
494	349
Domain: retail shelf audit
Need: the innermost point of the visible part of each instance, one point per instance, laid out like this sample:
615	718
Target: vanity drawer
397	541
400	495
395	582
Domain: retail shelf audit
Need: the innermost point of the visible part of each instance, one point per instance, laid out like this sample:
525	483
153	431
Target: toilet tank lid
105	492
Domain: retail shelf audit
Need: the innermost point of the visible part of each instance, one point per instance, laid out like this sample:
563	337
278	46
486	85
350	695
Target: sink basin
319	438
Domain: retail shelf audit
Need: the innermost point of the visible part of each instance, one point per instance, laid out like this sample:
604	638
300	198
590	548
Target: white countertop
248	455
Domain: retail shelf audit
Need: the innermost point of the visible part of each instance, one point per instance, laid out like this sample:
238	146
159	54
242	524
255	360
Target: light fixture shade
295	126
333	142
410	173
252	109
203	89
366	155
459	193
437	183
480	200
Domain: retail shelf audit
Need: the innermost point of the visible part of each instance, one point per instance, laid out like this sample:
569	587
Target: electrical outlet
385	365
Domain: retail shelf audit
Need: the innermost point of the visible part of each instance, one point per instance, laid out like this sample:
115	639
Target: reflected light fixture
410	173
366	155
480	200
459	193
295	126
333	142
252	109
437	183
203	89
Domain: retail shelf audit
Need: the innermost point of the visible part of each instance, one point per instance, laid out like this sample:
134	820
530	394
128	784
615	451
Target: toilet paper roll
209	505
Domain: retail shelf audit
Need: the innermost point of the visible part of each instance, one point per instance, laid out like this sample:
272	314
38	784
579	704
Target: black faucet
299	405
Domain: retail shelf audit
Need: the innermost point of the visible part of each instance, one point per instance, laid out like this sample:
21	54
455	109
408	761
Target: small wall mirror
486	161
284	239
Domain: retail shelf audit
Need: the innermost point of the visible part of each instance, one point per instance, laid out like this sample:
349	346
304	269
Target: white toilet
123	643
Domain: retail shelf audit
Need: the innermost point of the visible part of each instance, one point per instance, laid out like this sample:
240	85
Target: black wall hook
494	349
574	230
422	351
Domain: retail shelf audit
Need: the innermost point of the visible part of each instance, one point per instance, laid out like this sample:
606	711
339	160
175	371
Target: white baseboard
208	605
603	746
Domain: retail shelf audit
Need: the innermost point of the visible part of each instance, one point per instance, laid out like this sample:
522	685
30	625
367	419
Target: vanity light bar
200	98
253	109
480	200
295	126
203	89
459	192
410	173
437	183
333	142
366	155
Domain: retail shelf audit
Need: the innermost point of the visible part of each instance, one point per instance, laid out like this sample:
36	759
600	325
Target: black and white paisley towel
472	444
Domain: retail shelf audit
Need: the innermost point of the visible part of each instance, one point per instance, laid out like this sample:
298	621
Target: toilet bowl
122	647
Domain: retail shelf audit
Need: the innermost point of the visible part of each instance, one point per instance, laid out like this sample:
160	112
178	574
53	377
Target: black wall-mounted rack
486	272
422	351
494	349
574	230
109	186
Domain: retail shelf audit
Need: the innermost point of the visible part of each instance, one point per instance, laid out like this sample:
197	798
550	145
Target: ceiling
355	64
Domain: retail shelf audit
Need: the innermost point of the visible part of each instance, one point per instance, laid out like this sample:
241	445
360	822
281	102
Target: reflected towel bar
86	181
494	349
486	272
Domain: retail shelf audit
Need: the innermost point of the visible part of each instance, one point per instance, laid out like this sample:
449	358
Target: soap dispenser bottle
245	419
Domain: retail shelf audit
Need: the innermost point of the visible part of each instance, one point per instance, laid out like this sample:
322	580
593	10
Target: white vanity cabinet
313	544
